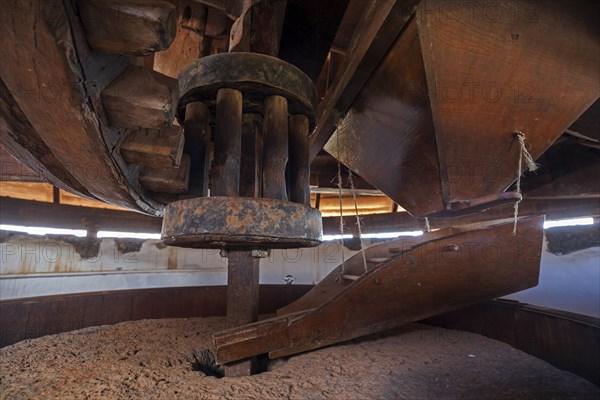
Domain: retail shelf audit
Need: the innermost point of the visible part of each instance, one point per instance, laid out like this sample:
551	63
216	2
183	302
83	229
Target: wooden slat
26	190
251	161
155	148
167	180
70	199
132	27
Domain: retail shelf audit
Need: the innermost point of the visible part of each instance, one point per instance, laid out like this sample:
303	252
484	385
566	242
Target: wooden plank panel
387	137
527	66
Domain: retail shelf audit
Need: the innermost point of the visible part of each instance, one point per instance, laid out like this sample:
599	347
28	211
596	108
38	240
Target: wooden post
242	300
228	143
299	166
250	171
275	147
197	139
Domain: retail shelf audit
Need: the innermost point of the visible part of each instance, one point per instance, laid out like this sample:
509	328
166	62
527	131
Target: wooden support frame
434	277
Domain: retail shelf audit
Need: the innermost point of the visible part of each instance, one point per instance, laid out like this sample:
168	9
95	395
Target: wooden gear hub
261	109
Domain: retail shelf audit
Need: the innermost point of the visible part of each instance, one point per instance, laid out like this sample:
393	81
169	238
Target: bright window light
43	231
128	235
568	222
391	235
327	238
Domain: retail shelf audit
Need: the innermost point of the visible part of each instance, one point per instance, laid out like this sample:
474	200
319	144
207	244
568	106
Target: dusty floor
153	360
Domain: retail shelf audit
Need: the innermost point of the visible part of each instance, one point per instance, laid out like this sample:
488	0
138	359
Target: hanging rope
339	185
358	221
531	165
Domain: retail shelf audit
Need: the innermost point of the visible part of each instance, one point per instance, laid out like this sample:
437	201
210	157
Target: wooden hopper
433	127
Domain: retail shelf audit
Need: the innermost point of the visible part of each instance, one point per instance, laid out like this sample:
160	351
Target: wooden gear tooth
129	27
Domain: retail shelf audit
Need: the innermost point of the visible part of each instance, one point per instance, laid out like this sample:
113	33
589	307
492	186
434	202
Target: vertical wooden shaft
275	147
242	299
299	165
228	143
197	139
250	171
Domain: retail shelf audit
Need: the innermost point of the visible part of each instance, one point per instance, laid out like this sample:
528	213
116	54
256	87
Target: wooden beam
403	221
242	300
35	213
380	25
155	148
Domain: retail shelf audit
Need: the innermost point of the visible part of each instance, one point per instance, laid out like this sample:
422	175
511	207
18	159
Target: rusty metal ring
240	223
255	75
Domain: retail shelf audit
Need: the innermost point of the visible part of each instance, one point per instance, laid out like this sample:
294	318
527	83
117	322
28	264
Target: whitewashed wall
38	266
